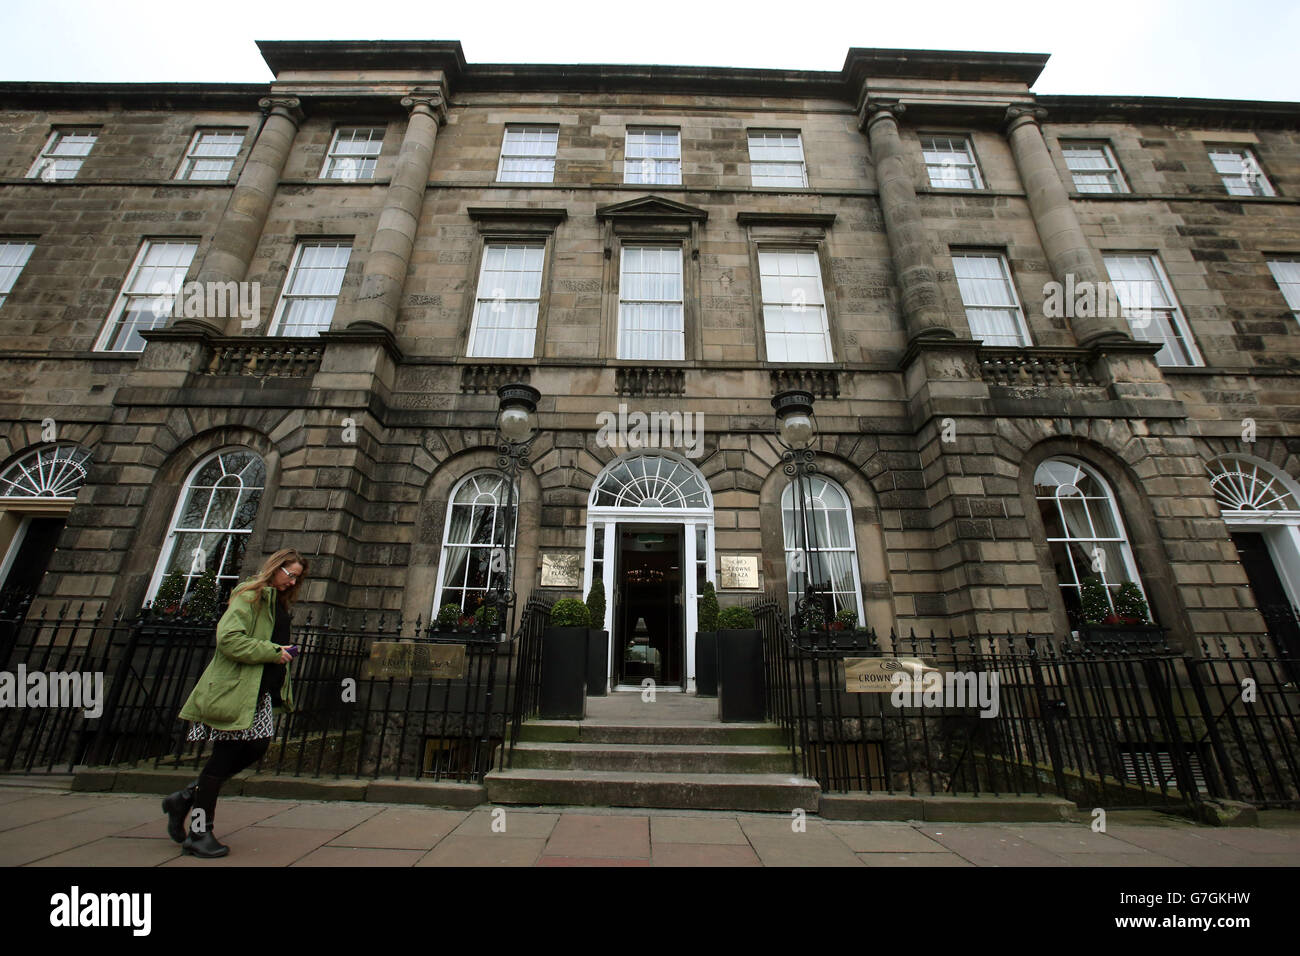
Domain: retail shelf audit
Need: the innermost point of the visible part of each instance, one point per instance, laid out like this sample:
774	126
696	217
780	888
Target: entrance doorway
1270	595
649	608
28	557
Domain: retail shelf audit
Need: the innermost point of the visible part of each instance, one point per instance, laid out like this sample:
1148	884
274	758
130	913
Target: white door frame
1281	531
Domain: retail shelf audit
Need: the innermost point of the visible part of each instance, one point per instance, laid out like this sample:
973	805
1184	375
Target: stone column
242	223
390	251
922	307
1068	251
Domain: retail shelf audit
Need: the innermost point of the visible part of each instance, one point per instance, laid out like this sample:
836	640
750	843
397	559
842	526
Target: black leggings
227	759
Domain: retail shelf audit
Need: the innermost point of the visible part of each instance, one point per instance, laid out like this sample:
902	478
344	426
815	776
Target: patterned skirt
263	726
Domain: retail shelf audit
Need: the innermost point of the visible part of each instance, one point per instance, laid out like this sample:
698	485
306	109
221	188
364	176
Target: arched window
55	471
1084	529
828	526
1243	484
650	481
476	524
214	520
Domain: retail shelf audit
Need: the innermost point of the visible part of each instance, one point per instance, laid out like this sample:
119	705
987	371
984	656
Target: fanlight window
476	526
1084	529
212	526
1243	485
827	528
56	471
650	481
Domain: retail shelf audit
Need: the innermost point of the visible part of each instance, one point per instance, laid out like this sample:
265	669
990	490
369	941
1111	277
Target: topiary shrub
596	603
201	601
570	612
813	617
449	616
1130	606
486	616
1092	595
708	608
735	619
170	592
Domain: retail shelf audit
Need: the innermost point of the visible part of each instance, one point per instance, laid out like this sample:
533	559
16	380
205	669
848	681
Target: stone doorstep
432	794
946	809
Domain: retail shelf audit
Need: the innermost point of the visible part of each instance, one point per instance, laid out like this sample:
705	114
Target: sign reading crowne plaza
916	241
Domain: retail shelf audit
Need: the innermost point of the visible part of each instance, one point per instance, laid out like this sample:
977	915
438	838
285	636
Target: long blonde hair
263	580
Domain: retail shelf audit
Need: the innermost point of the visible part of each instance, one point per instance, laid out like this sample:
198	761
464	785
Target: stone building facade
885	236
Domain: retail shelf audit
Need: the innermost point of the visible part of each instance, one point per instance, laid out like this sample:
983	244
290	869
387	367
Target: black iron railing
1106	726
344	724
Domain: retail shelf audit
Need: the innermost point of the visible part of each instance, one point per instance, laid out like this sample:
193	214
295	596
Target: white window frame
1111	170
164	299
1107	575
1014	303
10	271
173	533
657	169
799	167
776	250
680	332
487	298
50	154
790	540
186	169
518	176
502	489
1177	320
334	158
1248	159
1289	287
286	296
976	181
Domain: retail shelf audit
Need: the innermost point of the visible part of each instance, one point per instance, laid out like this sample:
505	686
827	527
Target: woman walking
232	705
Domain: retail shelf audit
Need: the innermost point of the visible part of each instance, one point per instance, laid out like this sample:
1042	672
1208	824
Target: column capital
1019	115
289	107
431	102
873	110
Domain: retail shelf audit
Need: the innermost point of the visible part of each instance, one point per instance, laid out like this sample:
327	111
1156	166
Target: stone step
678	791
700	734
651	758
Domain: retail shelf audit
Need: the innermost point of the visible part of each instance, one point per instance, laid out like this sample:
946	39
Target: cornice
651	209
532	215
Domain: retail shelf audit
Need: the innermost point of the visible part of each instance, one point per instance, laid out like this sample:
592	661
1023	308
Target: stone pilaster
922	306
390	252
242	223
1068	251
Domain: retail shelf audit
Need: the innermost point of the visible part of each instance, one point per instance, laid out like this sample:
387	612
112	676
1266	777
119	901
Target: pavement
43	824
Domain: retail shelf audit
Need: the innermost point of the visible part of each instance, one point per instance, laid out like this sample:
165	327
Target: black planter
741	691
1130	634
706	663
563	694
597	662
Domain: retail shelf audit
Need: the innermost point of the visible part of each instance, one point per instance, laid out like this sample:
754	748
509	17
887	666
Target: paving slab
46	837
1121	859
1257	841
233	814
586	835
525	824
590	861
404	828
347	856
884	838
1184	845
115	851
127	810
322	816
44	806
778	844
699	854
988	845
665	830
1070	839
263	846
498	850
913	859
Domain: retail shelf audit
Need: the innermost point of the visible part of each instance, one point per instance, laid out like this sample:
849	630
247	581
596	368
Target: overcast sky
1238	49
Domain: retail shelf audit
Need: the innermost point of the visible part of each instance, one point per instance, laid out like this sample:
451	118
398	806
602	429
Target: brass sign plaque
875	675
561	569
738	572
391	659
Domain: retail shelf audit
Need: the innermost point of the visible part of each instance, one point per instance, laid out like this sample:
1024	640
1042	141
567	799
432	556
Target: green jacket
225	697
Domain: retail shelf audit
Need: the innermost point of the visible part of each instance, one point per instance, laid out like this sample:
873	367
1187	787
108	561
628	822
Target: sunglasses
289	574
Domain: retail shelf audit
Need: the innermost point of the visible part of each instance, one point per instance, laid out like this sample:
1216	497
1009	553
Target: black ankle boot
203	843
177	807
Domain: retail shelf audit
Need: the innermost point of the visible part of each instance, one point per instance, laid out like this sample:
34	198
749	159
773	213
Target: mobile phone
292	650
